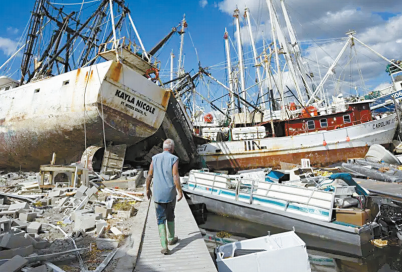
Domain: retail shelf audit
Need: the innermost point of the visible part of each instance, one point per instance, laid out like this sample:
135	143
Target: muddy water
381	260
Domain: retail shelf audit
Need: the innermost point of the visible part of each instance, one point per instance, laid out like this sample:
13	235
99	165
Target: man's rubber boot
171	239
163	238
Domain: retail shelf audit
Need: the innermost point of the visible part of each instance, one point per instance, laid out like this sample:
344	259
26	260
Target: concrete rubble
56	226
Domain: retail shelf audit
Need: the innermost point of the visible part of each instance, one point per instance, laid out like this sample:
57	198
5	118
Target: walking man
164	169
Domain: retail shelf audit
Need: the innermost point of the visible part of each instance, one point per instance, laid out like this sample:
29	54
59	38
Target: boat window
310	124
323	123
7	88
346	119
36	90
66	82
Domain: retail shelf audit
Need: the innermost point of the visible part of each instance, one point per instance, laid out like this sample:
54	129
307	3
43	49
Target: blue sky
313	19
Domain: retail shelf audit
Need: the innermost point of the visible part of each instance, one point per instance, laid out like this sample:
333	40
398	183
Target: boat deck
189	254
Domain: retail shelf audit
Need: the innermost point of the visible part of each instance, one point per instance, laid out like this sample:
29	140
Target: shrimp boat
322	147
313	209
326	133
109	99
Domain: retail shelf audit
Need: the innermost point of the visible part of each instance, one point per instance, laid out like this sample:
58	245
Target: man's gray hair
168	144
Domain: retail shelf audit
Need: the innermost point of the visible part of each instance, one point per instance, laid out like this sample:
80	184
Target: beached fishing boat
322	147
310	211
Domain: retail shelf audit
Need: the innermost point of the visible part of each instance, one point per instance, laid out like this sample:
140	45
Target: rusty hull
49	116
29	148
270	159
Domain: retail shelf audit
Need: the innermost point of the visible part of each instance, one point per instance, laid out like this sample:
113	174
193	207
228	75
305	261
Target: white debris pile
45	226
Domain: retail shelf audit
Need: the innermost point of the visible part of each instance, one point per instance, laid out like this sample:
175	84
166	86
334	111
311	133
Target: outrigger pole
242	100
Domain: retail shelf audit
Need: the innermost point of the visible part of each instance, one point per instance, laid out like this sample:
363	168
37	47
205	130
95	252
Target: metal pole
329	72
240	55
171	70
295	46
319	73
257	65
284	44
278	67
291	31
229	69
183	27
138	37
268	74
7	61
112	17
114	30
375	52
243	101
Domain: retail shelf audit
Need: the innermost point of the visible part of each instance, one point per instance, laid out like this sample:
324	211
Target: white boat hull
69	112
269	152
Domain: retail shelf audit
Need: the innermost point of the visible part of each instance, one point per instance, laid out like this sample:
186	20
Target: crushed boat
336	209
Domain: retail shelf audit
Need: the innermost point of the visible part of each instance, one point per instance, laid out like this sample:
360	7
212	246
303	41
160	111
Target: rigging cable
103	117
74	4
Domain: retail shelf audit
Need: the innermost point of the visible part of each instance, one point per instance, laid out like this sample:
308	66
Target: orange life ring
337	127
152	70
208	118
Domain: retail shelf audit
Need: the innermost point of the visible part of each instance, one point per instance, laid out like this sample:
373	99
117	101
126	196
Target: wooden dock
189	254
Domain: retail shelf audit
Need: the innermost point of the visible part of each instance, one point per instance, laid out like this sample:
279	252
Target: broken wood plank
106	261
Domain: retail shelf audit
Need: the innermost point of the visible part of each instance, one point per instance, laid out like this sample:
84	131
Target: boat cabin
356	113
7	83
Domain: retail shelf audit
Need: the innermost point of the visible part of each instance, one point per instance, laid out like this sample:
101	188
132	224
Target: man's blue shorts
165	211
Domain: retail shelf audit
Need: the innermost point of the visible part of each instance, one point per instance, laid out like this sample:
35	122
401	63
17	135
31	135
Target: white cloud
12	30
315	20
203	3
8	46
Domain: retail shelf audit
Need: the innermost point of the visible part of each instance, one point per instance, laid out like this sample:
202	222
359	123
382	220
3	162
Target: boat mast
171	70
295	47
240	56
330	70
183	27
257	65
229	69
31	39
114	30
278	67
138	37
268	74
284	45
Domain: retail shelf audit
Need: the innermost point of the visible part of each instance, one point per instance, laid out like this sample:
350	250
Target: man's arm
149	179
176	179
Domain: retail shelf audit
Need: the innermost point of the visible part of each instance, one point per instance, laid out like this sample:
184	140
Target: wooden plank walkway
189	254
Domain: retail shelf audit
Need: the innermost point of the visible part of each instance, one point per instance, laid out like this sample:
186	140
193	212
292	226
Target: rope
74	4
103	117
85	109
